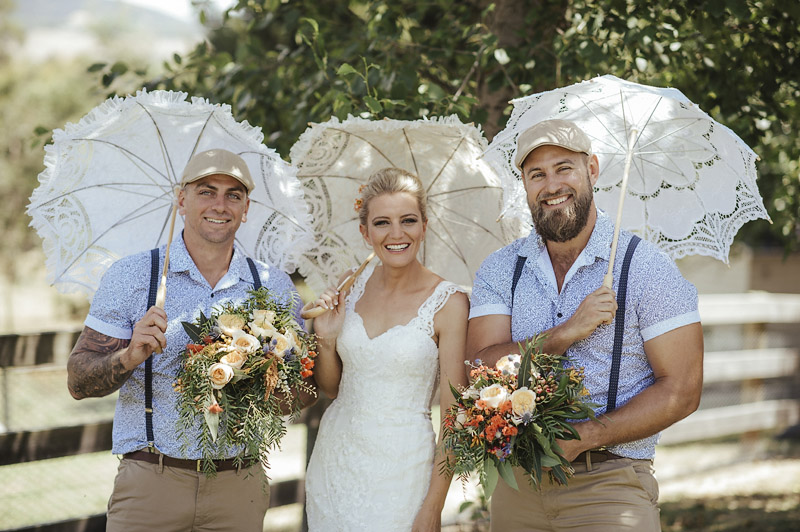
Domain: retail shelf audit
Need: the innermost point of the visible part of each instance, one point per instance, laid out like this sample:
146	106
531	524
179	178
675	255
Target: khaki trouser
150	497
615	495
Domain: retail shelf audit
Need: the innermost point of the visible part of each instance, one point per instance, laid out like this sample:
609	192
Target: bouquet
512	415
241	374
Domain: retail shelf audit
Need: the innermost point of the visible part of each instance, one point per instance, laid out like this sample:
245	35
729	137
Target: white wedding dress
371	464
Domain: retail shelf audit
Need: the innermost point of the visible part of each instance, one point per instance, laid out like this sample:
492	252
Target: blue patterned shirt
659	300
121	300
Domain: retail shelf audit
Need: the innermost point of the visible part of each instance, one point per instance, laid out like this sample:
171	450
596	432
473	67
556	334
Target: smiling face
213	208
394	228
558	183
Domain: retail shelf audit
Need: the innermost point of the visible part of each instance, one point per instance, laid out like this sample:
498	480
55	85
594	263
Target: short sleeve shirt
121	300
659	300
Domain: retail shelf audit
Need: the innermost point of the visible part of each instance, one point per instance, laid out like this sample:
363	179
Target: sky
181	9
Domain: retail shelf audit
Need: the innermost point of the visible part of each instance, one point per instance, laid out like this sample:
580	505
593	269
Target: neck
564	254
212	260
399	278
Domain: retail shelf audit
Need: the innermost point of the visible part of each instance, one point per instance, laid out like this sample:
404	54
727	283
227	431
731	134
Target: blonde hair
391	181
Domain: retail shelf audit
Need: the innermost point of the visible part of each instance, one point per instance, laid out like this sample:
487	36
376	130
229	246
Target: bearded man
551	282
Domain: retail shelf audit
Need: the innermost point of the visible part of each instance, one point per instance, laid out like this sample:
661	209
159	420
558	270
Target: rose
267	331
262	323
523	401
262	317
508	364
294	339
234	359
494	395
461	418
220	375
470	393
229	323
245	343
282	343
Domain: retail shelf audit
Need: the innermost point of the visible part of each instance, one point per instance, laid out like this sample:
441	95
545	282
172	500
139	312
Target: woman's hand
328	325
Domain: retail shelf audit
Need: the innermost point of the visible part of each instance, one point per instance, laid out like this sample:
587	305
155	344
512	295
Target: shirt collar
598	247
181	261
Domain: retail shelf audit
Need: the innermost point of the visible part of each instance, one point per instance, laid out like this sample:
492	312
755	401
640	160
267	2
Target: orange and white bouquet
241	373
512	415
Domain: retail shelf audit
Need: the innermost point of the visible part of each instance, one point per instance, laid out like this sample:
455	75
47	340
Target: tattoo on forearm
93	369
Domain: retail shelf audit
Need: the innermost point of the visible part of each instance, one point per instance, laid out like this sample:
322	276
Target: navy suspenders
148	364
619	318
619	325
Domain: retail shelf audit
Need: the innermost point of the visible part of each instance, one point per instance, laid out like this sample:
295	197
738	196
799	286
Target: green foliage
282	65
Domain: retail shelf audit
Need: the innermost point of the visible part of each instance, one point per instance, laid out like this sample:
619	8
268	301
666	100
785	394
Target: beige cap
551	133
217	161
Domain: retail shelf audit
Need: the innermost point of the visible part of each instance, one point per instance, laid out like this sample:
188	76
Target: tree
284	64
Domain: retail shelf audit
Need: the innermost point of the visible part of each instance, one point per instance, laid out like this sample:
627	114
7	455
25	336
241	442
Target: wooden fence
751	364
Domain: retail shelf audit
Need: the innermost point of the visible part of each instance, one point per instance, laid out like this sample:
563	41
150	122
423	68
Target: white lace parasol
464	196
692	181
107	189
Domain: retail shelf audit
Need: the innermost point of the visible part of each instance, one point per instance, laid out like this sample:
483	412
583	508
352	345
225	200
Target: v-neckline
409	322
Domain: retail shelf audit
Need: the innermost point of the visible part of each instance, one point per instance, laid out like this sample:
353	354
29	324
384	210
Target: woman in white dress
375	464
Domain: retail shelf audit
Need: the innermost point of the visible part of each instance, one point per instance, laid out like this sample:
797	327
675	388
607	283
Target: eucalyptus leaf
507	472
212	419
491	473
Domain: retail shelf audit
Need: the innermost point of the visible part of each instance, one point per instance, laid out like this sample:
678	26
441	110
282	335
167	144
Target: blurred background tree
284	64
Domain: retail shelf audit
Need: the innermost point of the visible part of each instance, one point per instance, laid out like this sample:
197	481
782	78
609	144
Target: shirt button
212	294
559	315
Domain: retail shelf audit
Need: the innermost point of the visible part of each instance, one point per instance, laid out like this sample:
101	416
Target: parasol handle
313	312
609	277
161	295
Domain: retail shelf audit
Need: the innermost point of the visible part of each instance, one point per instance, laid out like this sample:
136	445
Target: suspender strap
619	325
254	272
148	364
517	273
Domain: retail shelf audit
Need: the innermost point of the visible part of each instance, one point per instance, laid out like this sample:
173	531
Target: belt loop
588	461
161	463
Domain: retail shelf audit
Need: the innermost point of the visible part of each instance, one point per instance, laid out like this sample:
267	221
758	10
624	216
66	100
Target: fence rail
751	368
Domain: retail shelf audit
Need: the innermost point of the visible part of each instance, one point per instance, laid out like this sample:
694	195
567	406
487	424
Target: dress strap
434	304
357	290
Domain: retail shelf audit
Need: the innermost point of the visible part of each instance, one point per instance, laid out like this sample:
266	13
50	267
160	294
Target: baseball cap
217	161
551	133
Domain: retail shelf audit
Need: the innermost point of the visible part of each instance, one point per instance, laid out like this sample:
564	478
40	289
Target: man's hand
148	337
597	309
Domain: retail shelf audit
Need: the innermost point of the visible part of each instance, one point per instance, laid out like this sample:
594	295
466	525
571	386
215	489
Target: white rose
234	359
265	331
470	393
262	317
294	339
461	418
220	375
282	343
509	364
245	343
229	323
523	401
494	395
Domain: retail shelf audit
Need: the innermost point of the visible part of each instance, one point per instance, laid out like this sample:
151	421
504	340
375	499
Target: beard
563	224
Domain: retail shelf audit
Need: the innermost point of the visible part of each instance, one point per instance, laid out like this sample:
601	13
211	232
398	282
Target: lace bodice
373	457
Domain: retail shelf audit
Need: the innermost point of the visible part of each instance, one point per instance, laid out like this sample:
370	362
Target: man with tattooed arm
129	347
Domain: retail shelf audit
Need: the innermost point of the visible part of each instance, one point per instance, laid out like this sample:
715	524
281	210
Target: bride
375	465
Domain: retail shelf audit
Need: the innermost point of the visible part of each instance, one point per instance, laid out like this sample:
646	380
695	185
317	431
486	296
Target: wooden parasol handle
161	295
609	277
309	311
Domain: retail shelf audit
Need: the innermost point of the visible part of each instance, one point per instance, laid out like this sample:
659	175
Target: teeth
215	221
556	201
396	247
